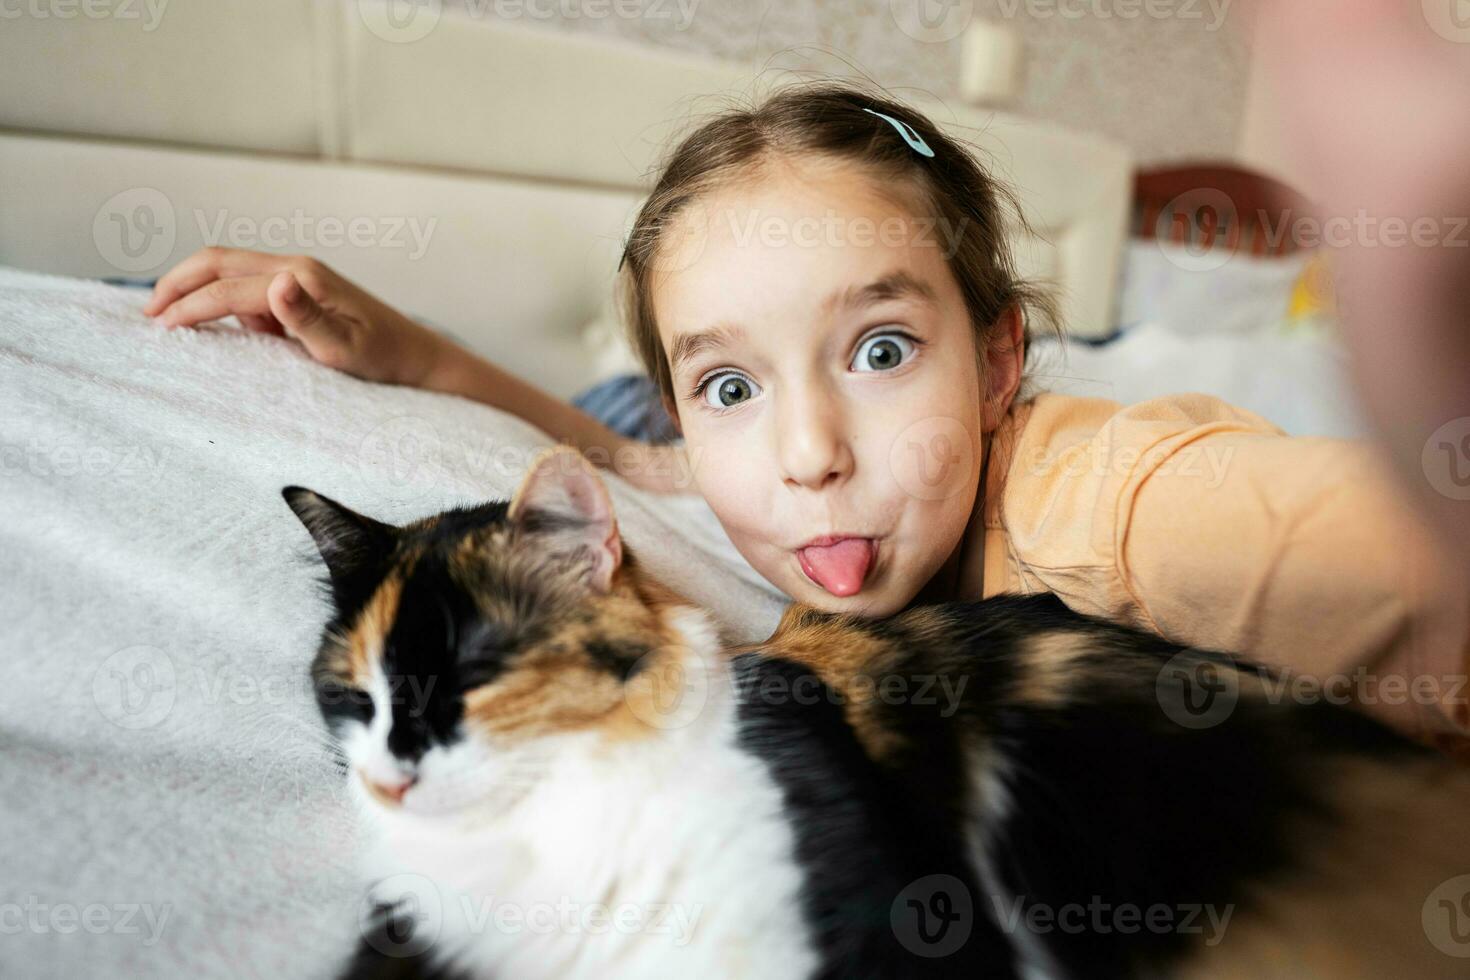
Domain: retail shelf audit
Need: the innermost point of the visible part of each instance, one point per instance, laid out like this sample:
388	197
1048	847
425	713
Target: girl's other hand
339	324
1373	97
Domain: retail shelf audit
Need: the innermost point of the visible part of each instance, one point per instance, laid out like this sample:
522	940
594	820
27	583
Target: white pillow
1219	331
1171	286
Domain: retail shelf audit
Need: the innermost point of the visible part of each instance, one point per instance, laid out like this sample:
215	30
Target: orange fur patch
1049	666
558	686
850	661
369	632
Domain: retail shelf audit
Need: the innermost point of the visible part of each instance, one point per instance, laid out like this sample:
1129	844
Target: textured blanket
168	807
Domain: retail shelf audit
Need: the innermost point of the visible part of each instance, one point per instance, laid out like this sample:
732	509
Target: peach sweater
1209	525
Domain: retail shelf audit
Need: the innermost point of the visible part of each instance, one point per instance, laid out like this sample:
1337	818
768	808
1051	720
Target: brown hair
837	121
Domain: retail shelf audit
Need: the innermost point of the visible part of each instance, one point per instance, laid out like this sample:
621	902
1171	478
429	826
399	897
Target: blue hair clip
910	137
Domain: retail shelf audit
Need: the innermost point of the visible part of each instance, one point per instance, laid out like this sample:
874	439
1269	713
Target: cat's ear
562	498
353	545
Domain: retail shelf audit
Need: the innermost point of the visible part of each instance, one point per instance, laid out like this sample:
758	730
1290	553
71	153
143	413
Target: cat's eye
882	352
342	702
480	656
728	389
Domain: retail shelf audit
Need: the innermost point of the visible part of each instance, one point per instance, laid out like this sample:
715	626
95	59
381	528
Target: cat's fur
583	741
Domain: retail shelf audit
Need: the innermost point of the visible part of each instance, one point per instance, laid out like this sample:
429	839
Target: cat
565	771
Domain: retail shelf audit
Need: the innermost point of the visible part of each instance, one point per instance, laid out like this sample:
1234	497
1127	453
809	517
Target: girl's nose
812	442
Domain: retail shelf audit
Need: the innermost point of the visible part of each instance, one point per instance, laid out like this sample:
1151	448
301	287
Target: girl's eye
882	352
728	390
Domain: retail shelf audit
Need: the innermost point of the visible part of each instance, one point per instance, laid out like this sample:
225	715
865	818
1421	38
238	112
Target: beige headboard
479	175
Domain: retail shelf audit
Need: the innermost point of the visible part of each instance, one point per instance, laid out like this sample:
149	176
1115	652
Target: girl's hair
971	212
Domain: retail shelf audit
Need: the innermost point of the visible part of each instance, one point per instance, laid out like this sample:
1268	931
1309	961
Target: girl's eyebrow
894	285
687	345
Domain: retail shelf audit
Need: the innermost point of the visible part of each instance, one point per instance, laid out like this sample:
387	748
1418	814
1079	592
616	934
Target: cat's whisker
290	726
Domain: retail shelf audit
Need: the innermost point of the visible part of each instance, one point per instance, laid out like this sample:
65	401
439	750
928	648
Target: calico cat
567	773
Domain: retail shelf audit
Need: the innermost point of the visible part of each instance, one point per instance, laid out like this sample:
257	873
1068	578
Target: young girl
822	291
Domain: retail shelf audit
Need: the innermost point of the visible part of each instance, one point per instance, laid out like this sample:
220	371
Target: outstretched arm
662	468
1374	97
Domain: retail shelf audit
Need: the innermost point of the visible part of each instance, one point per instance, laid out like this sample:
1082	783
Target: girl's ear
563	500
1003	360
354	546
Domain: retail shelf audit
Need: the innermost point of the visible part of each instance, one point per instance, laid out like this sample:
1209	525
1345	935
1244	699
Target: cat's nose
388	793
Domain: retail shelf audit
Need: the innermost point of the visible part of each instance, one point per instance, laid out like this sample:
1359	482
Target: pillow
607	341
630	405
1313	297
1168	285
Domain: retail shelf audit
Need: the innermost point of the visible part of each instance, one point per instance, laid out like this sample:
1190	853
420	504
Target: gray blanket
168	807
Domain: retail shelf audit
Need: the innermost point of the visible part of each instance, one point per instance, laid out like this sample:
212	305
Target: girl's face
826	381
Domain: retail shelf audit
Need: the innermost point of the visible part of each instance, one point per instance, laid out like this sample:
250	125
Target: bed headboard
1218	208
476	174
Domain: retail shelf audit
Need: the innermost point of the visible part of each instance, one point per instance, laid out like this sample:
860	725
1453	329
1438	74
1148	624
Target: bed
1220	291
168	805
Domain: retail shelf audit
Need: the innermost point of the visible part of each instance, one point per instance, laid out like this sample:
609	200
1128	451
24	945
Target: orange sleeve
1300	552
1209	525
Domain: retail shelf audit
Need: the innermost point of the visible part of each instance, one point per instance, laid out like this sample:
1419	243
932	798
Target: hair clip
910	137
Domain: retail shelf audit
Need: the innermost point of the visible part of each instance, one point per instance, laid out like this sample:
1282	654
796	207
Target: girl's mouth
838	564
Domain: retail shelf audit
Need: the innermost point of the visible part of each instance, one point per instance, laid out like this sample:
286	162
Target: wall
1168	78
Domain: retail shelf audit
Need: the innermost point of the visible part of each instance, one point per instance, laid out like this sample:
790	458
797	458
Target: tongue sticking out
839	568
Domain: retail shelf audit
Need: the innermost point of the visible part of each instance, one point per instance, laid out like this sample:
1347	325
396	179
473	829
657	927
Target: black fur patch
860	843
1115	804
623	657
377	956
422	662
340	703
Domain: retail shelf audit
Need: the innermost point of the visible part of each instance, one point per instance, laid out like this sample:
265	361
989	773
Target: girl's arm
1373	104
1302	552
1207	524
345	327
457	371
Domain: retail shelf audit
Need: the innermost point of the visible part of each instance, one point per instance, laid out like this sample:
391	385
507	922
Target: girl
821	289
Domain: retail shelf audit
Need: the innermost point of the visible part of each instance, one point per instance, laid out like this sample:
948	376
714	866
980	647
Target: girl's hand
339	324
1373	100
346	328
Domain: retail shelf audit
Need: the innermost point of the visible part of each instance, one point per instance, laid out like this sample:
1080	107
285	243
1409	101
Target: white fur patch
991	806
666	856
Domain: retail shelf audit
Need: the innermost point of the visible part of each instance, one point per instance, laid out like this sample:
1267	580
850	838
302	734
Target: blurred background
497	148
477	164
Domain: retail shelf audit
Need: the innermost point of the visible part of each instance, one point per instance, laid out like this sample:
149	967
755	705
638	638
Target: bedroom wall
1168	78
1262	144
